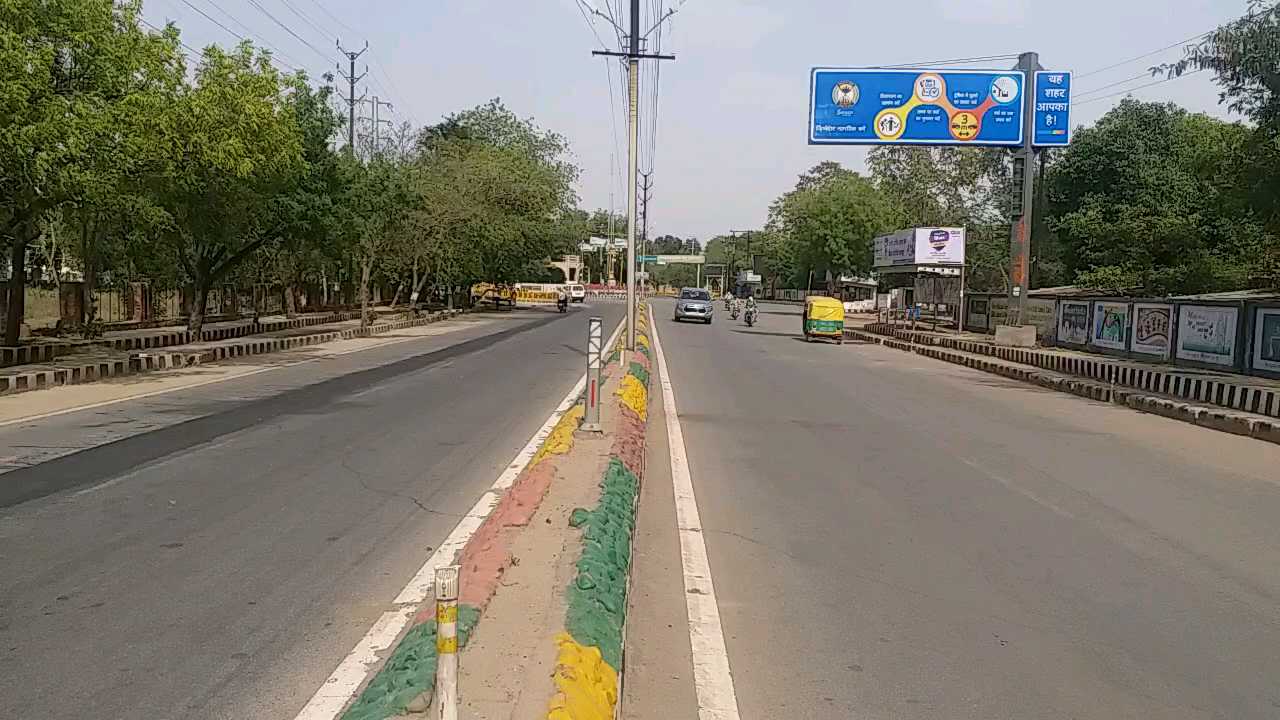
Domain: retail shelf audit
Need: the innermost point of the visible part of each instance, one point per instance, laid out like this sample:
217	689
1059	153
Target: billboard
1073	322
1266	340
1052	115
1110	325
920	246
1152	327
1207	334
850	106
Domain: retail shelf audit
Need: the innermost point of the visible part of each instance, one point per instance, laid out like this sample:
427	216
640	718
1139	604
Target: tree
496	195
85	63
827	223
1146	199
302	227
231	147
1243	56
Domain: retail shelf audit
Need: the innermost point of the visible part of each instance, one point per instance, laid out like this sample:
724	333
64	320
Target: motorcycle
751	316
562	304
733	313
728	303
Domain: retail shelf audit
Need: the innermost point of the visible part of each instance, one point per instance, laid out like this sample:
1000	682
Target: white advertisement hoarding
920	246
1207	334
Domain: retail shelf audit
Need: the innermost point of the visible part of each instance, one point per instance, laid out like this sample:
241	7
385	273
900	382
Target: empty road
213	553
896	537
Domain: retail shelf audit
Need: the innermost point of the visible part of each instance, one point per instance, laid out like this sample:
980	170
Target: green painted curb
409	672
597	599
640	373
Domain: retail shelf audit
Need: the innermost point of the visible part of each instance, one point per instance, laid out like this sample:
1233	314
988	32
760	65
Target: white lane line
346	680
235	376
712	679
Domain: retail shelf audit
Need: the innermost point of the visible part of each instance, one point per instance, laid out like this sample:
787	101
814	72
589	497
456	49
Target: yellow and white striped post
447	642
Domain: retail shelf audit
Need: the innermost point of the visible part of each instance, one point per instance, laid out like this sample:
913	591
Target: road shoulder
659	679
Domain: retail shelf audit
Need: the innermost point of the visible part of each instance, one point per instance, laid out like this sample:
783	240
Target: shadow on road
769	334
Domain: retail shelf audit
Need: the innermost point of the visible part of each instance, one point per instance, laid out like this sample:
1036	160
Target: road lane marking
233	375
347	679
712	678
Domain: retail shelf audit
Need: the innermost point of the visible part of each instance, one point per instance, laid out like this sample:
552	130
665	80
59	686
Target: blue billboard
921	107
1052	109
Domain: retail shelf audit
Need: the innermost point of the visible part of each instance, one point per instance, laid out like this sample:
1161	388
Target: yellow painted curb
586	687
634	395
560	441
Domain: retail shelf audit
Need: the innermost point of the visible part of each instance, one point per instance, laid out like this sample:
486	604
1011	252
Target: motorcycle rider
751	307
562	299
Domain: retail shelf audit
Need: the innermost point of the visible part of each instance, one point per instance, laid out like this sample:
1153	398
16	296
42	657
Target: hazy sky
731	125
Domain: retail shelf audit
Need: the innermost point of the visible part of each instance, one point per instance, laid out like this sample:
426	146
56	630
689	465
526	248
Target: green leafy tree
1243	56
65	117
231	148
1147	200
302	226
832	222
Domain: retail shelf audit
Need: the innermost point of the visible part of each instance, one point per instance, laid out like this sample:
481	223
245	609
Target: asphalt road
214	553
896	537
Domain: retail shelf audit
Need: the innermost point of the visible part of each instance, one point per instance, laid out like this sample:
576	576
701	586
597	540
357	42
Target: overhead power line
1139	76
306	19
1139	87
954	61
1143	56
290	30
334	18
292	63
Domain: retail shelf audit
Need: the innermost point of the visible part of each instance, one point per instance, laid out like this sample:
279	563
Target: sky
729	134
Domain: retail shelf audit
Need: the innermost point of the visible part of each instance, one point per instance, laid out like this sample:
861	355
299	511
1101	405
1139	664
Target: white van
577	292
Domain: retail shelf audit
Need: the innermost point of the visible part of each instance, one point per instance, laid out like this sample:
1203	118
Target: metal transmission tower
375	123
351	98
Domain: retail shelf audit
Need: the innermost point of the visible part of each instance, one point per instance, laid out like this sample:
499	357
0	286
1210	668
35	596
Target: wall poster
1207	333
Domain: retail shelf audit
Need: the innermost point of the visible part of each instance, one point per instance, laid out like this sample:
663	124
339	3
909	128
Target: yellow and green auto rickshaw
823	317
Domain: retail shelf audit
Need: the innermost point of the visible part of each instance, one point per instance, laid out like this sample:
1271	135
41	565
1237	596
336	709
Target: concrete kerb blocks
141	362
589	659
1214	418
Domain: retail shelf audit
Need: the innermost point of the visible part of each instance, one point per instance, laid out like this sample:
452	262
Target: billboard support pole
1020	233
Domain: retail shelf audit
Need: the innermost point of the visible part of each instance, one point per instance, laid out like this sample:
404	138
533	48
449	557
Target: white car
577	293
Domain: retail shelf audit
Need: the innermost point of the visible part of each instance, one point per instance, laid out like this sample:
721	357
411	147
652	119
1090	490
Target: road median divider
589	662
405	684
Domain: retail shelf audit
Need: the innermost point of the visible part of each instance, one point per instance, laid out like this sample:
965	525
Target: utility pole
1024	170
351	98
376	121
644	215
633	56
746	234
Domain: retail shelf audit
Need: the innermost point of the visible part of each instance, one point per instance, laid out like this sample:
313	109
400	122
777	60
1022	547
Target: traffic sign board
1053	109
848	106
647	258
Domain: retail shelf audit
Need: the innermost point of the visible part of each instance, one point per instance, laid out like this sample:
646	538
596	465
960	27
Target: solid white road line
712	678
346	680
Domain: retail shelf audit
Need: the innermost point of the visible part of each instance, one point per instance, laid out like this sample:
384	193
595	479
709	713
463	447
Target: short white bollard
595	351
447	642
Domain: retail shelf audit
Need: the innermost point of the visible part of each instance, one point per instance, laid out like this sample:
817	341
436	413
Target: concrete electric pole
633	56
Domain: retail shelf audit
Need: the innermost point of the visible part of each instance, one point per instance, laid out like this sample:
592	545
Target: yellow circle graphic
964	126
890	124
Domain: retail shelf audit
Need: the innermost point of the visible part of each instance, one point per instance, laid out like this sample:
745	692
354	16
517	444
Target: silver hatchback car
694	304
